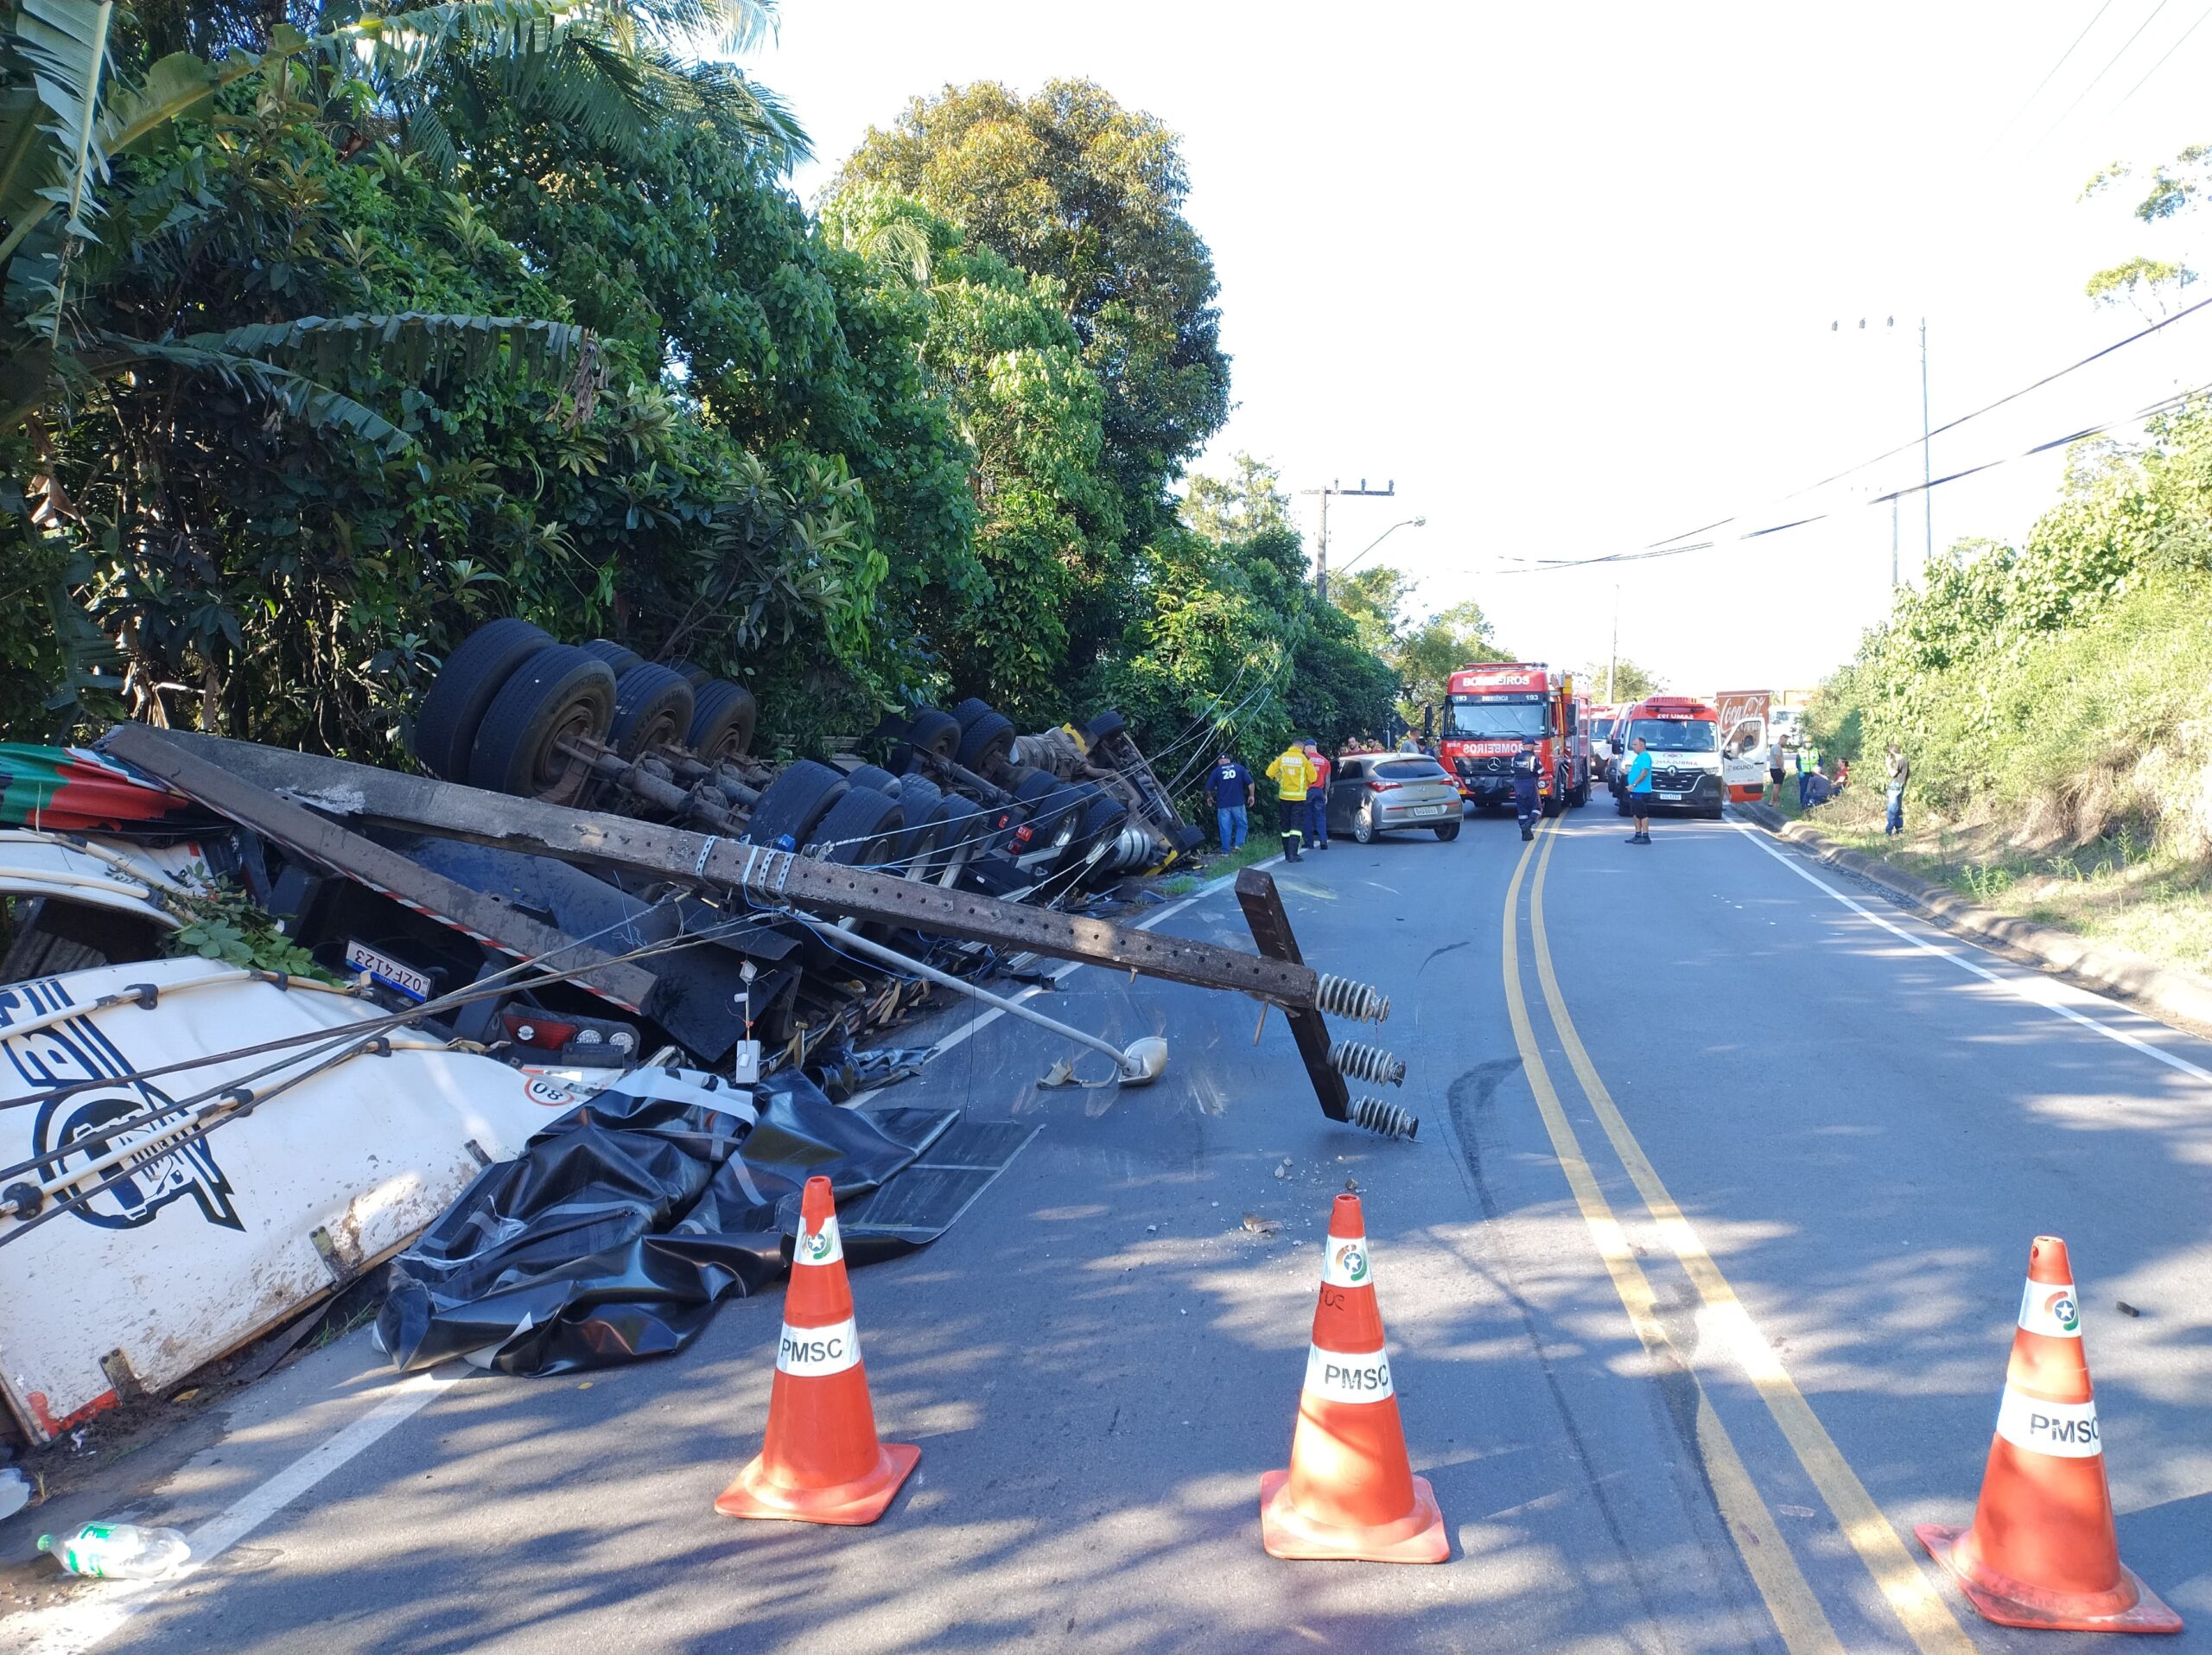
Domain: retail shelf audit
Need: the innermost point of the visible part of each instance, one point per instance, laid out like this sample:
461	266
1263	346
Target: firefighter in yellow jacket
1293	776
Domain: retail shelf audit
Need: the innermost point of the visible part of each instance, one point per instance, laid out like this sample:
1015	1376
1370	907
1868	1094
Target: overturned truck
524	955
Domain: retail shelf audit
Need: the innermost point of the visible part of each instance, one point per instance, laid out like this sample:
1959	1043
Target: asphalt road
1700	1281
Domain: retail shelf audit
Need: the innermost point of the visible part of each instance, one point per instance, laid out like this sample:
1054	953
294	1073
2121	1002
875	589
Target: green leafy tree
1439	645
1248	502
1630	681
1378	599
1069	185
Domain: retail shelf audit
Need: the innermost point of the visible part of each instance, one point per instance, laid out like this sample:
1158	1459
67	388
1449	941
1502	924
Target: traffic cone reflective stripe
2042	1551
1350	1491
821	1462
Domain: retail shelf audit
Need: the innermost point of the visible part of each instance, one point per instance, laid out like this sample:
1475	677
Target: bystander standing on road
1637	780
1317	797
1294	779
1776	755
1900	773
1526	765
1228	784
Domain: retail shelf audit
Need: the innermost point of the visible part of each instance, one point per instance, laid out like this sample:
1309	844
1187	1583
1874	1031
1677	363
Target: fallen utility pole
238	779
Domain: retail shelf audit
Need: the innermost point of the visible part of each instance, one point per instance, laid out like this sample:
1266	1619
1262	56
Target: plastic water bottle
118	1551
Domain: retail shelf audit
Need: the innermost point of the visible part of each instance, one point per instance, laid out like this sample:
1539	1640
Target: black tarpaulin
621	1224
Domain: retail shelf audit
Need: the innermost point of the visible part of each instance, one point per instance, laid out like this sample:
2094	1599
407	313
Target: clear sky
1566	275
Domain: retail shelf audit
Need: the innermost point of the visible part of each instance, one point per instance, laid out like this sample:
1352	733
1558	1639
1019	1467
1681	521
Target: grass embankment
2117	888
1258	848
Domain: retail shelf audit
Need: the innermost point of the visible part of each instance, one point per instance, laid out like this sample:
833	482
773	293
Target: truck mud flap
621	1225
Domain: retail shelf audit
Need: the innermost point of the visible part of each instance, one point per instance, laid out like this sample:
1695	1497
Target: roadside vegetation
1257	848
2054	700
328	334
2116	889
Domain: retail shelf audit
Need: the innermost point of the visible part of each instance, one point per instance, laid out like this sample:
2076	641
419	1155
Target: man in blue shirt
1228	784
1638	779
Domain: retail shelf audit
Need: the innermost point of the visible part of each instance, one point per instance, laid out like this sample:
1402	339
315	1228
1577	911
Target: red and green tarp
72	789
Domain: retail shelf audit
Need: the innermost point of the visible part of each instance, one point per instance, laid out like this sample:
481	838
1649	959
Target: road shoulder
2181	999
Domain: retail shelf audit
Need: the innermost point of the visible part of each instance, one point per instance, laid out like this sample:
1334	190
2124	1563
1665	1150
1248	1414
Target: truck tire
932	731
1107	723
968	832
653	708
1052	807
476	671
722	717
876	777
919	794
558	693
803	793
985	744
1101	816
862	829
620	658
969	711
694	674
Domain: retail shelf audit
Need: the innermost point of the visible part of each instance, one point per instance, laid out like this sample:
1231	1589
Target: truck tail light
546	1033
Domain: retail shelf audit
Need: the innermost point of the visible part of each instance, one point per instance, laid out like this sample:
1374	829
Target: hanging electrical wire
2164	404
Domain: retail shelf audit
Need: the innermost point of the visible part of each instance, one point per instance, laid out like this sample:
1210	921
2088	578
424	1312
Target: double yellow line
1798	1613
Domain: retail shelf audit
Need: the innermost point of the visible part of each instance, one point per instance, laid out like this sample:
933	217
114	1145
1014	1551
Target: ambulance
1682	735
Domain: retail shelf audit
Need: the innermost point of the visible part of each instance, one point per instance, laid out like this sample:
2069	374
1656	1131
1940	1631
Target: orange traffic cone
1350	1492
822	1462
2042	1551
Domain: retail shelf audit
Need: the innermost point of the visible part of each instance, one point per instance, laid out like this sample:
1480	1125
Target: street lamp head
1420	523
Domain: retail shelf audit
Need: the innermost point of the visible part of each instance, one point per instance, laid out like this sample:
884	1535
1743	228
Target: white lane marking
977	1026
2035	990
76	1627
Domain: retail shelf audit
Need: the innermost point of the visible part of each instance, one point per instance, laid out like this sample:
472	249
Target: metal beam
237	779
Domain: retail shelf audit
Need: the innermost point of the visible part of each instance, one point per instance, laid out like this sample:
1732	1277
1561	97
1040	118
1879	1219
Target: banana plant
67	114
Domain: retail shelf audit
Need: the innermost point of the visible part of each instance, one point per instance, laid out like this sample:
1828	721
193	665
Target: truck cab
1488	711
1682	735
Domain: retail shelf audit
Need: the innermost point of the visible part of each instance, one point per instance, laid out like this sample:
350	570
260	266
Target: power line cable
1953	425
2164	404
2100	75
2161	63
2040	85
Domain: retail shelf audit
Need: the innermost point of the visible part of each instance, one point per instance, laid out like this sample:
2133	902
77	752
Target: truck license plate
382	968
1672	798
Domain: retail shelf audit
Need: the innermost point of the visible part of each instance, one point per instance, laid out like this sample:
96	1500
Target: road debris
118	1551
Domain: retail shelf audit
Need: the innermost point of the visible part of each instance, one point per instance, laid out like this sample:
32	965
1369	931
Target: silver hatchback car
1389	792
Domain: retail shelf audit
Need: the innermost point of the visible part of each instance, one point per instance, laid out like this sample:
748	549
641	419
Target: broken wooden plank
347	853
1270	924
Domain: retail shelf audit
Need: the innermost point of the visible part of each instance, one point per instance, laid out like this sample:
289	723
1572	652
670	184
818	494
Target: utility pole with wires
1613	660
1321	557
1927	455
1926	466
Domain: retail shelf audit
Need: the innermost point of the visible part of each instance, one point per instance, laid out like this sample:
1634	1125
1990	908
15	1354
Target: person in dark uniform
1526	766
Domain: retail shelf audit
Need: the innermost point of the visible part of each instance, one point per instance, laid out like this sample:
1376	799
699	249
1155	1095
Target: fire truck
1682	735
1489	708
